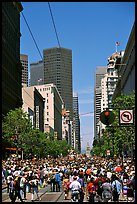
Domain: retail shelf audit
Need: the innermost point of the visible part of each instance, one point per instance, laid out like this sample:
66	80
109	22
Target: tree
14	125
18	132
122	138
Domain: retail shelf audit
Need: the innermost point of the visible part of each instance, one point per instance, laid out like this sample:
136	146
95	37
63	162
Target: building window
47	119
47	94
47	113
47	107
47	100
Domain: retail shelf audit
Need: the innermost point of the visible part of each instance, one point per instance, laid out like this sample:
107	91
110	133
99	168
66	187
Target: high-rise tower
58	70
24	62
11	66
76	121
100	73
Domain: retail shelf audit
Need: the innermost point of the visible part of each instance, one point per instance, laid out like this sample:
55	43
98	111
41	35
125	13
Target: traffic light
107	117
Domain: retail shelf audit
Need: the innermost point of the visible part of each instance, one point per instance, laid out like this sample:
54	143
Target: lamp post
68	121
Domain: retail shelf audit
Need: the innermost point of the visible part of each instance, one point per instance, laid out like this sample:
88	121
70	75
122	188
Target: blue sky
90	30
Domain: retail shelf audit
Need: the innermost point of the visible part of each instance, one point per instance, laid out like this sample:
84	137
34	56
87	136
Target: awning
11	148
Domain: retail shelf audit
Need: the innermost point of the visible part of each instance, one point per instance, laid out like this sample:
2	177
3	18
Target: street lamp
68	121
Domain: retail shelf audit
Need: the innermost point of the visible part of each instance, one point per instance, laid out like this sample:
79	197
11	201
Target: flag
117	43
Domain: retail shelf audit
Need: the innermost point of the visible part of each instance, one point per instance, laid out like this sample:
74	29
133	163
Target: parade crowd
94	177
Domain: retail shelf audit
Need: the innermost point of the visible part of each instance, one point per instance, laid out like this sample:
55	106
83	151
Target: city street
47	196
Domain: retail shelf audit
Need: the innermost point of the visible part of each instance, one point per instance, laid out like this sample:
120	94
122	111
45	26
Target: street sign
126	116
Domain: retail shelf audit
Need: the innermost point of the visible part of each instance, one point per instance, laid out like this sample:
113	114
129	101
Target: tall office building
24	62
76	127
11	65
37	73
100	73
58	70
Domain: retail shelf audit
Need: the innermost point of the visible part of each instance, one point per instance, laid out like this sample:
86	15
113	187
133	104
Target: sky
90	30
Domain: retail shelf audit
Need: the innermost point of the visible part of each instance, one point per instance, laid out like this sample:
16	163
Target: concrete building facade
11	66
24	62
33	104
53	104
126	68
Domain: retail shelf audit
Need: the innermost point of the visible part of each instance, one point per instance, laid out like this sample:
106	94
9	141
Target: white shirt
75	185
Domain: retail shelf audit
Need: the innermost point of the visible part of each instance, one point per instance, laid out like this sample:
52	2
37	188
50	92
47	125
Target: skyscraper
24	62
58	70
11	66
37	73
76	126
100	73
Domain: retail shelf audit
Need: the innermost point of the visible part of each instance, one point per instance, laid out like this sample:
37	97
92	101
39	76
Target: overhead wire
32	35
54	24
53	21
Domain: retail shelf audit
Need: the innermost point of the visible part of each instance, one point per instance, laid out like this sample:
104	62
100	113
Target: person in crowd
106	190
11	189
98	184
23	186
41	176
81	181
17	189
8	181
58	181
34	185
52	181
75	187
90	190
116	188
65	185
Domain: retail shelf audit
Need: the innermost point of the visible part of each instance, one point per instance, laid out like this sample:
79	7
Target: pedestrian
23	186
75	187
11	189
8	181
106	190
81	181
90	190
41	176
65	185
52	181
34	185
116	188
17	189
58	181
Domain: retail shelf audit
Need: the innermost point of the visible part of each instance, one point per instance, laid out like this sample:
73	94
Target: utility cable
54	24
32	35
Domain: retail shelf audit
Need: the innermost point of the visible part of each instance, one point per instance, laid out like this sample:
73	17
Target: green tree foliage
17	132
14	125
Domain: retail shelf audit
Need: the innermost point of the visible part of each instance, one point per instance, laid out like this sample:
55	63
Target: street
47	196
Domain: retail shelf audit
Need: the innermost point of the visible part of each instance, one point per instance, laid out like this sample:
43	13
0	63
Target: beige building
53	104
33	104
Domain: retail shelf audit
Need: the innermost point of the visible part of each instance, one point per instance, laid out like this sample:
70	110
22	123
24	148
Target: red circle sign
127	115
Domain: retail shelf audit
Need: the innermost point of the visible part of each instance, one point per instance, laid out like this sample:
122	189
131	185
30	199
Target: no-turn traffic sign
126	116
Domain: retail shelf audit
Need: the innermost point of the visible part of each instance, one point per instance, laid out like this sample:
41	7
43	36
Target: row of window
45	89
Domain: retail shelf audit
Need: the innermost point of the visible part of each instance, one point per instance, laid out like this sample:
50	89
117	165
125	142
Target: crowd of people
94	177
